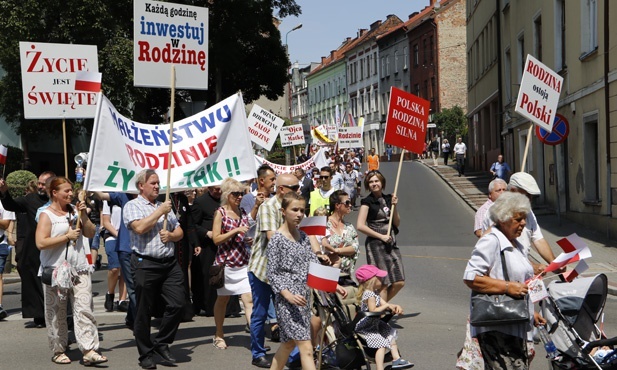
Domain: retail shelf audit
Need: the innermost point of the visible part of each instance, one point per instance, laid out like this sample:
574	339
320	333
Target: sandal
219	343
61	359
93	358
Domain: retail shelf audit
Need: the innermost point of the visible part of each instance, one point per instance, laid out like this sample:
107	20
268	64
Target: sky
326	23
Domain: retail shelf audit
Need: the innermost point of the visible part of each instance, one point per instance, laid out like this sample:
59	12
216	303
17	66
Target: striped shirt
148	244
269	218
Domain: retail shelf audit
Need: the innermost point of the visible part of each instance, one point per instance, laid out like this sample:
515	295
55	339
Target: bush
18	182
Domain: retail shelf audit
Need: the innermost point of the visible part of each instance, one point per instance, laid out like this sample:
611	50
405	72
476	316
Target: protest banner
538	97
350	137
405	127
317	160
166	34
332	131
208	147
48	80
264	127
292	135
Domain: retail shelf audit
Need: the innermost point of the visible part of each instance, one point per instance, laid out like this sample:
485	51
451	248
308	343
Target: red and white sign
323	277
292	135
350	137
88	81
406	121
318	160
264	127
3	153
166	34
539	93
315	225
48	80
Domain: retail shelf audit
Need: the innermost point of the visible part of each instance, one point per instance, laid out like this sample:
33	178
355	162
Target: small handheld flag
3	152
314	225
88	81
323	277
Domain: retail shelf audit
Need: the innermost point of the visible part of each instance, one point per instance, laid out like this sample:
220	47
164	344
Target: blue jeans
127	275
262	297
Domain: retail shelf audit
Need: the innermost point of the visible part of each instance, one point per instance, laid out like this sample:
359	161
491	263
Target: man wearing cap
524	183
495	189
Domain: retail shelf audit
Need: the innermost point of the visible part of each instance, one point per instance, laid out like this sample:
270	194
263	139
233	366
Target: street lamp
289	111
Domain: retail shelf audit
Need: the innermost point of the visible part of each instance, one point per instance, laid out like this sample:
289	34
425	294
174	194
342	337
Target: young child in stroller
377	333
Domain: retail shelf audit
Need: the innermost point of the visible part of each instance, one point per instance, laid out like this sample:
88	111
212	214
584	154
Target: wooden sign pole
171	130
529	132
398	176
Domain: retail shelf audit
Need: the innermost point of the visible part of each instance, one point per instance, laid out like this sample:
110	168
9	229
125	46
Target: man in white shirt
460	150
495	189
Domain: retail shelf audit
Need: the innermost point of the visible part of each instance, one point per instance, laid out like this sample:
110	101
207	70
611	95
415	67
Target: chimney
332	54
413	14
431	2
361	32
375	24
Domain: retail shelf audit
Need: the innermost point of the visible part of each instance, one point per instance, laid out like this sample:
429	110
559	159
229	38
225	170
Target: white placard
539	93
332	132
167	34
350	137
264	127
48	79
292	135
211	146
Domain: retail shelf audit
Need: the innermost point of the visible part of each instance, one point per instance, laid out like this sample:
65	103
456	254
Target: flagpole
171	134
66	163
398	176
526	148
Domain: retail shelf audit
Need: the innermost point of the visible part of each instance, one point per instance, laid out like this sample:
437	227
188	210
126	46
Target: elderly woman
59	239
503	347
228	232
373	220
342	243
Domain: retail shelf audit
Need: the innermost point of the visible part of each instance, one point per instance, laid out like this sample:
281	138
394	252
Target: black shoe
123	306
163	351
109	302
3	313
275	334
147	363
261	362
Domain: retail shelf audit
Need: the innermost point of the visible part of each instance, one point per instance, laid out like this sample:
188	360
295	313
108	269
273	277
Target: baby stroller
572	311
342	347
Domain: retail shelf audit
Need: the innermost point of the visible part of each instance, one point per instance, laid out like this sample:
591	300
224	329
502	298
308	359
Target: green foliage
18	182
452	121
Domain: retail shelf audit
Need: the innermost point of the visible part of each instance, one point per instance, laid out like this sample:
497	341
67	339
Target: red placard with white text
406	121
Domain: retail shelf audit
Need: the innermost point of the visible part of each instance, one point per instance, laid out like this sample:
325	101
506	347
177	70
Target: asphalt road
435	240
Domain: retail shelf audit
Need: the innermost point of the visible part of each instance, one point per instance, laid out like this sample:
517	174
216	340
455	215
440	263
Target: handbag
48	271
216	276
498	309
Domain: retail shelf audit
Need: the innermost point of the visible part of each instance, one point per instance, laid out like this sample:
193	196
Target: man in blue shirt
500	169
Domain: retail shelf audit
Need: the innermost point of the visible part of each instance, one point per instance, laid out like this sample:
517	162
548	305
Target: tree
245	53
452	121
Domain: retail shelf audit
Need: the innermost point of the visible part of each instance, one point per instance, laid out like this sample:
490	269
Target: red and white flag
579	269
567	258
88	81
3	152
314	225
352	123
571	243
322	277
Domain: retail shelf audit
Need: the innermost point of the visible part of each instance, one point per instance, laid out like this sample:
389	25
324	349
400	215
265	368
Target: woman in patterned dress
342	243
381	249
228	232
377	333
289	254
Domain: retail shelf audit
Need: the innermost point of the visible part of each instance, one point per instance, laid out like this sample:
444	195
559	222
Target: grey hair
507	205
492	184
143	176
228	186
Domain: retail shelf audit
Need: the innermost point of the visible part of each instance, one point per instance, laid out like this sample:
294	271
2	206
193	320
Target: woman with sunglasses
373	219
228	232
342	243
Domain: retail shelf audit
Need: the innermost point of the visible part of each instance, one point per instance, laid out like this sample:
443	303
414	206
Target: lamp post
287	34
289	82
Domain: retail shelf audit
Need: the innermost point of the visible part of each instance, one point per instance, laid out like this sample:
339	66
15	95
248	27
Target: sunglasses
324	177
237	194
292	187
346	203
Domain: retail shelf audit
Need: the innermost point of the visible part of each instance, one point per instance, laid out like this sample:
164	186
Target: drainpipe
500	106
607	115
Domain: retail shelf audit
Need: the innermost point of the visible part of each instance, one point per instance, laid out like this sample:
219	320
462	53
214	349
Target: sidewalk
473	189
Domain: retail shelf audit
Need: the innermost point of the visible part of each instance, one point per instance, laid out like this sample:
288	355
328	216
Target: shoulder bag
48	271
217	276
498	309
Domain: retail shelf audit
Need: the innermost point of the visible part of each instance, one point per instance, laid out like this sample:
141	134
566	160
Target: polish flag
3	152
579	269
352	123
567	258
322	277
314	225
88	81
571	243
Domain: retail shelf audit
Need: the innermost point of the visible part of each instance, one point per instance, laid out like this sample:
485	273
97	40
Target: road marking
435	257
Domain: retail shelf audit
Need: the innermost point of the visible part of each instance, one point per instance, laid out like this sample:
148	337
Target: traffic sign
561	129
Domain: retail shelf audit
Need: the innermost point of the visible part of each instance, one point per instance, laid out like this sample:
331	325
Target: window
508	75
416	57
355	71
416	89
361	69
560	35
405	57
433	87
520	60
425	96
589	26
375	63
537	39
383	67
424	51
375	98
590	138
395	61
